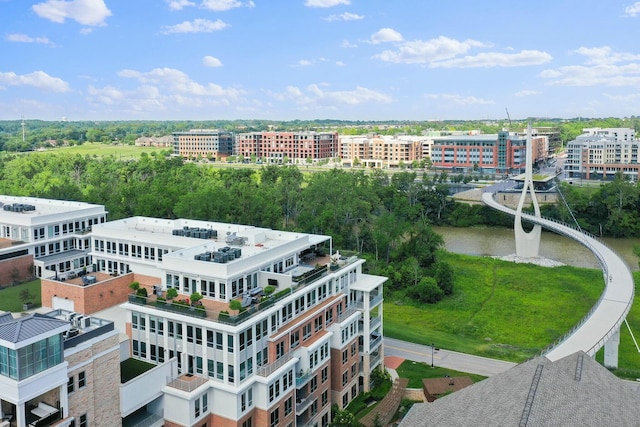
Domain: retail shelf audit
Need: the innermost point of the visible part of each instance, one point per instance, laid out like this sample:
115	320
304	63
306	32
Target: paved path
607	315
445	358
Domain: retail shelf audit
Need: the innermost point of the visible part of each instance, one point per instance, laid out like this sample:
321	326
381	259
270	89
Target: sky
318	59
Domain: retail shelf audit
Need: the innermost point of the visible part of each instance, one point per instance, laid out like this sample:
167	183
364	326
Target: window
345	377
353	370
314	407
325	374
288	406
84	422
247	422
345	400
345	356
275	417
313	384
306	331
70	385
325	397
219	340
82	379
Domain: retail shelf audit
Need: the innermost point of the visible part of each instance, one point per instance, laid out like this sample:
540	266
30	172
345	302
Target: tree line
387	218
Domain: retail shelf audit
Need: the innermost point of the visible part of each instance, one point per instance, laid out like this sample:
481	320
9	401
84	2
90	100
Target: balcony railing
372	302
188	382
303	378
266	370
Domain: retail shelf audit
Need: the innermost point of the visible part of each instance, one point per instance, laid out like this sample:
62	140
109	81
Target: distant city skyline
317	59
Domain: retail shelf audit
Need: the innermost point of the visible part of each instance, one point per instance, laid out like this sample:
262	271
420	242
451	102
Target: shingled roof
573	391
27	327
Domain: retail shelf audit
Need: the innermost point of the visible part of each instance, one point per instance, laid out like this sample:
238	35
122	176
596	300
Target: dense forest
385	217
39	133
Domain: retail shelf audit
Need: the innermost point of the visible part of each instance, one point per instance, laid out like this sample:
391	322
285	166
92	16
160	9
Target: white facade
53	231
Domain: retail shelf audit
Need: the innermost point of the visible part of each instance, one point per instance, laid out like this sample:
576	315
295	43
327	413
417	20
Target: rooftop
42	207
572	391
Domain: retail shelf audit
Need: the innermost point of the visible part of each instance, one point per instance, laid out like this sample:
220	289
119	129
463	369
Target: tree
342	418
444	277
172	293
427	291
26	296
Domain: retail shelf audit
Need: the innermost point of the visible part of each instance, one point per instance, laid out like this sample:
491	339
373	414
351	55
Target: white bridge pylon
601	326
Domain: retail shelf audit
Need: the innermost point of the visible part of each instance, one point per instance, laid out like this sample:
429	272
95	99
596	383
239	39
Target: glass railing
266	370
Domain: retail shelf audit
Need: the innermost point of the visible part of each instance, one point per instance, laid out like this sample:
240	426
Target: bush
195	298
135	286
141	292
235	304
427	291
172	293
268	290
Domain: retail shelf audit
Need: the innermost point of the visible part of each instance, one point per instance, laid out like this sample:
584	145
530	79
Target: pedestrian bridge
601	325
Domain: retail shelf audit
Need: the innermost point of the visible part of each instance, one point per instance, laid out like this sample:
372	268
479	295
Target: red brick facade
18	268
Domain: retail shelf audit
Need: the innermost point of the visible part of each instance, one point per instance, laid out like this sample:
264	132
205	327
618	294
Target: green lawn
417	371
10	296
499	309
123	152
131	368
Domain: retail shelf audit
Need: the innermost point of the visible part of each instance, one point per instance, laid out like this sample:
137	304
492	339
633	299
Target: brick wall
21	265
96	297
100	397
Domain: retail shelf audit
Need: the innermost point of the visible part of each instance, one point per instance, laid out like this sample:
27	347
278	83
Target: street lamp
432	355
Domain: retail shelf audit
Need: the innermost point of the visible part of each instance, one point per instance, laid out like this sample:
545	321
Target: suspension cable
567	205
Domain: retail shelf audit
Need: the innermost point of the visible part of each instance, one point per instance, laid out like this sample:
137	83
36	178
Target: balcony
303	403
377	299
186	382
303	378
266	370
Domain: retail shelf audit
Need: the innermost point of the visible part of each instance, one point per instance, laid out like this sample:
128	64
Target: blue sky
318	59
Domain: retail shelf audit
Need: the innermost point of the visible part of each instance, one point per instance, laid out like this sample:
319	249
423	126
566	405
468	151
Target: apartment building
602	153
384	151
307	332
59	369
205	143
297	147
490	153
45	238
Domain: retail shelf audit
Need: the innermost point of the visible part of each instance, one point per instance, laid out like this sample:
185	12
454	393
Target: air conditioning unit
86	322
77	321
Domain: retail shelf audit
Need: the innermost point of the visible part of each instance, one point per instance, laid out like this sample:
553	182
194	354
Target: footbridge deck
606	316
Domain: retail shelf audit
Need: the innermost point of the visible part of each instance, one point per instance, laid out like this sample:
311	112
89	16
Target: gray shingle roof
573	391
5	317
24	328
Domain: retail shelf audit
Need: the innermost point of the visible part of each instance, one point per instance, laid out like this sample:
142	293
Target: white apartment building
384	151
307	335
48	237
601	153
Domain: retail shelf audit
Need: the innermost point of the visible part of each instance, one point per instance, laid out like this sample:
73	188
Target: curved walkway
606	316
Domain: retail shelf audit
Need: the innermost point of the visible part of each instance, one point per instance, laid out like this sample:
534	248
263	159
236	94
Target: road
445	358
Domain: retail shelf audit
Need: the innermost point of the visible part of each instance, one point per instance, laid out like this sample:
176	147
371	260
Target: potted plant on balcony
195	298
171	293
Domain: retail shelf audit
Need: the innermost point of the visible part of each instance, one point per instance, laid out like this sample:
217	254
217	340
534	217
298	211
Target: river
501	242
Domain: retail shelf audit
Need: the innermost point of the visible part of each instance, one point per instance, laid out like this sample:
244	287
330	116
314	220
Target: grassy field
499	309
10	296
417	371
122	152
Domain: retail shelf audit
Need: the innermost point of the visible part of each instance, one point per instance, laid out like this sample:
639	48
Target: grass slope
123	152
499	309
417	371
10	296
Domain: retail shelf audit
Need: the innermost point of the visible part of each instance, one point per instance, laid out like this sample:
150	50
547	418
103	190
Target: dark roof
572	391
24	328
436	386
5	317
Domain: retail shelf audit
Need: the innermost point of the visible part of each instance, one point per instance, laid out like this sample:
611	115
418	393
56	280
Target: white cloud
340	64
526	93
211	61
143	99
344	17
85	12
458	99
179	4
602	68
347	44
495	59
630	97
220	5
303	63
196	26
632	10
23	38
38	79
179	83
385	35
605	55
424	52
315	96
325	3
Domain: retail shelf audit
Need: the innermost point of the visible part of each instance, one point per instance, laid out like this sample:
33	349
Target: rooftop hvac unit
77	321
85	322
